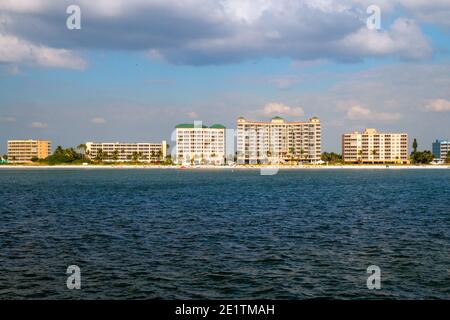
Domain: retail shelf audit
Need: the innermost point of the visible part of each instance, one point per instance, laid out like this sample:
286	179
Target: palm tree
415	145
81	148
360	154
100	155
374	153
115	155
135	156
292	153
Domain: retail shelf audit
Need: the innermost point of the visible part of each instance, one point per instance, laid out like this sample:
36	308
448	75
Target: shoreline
244	167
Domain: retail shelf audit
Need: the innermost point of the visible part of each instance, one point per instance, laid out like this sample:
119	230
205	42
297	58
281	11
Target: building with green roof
191	126
198	144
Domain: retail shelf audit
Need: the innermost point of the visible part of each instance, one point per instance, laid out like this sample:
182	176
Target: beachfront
235	167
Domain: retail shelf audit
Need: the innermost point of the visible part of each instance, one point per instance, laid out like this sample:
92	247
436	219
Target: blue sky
137	68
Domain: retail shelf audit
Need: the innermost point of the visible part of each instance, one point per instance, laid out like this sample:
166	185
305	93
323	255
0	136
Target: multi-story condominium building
27	150
278	141
200	144
375	147
125	152
441	149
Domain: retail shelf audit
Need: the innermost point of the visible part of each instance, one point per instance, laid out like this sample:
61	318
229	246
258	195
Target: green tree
135	156
424	157
152	156
100	155
159	154
331	157
61	155
292	153
81	148
5	157
115	155
447	159
360	154
415	145
374	153
168	160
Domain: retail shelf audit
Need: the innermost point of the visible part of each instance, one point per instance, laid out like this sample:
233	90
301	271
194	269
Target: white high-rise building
375	147
200	144
126	152
278	141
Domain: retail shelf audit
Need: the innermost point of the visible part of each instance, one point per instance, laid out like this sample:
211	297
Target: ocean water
194	234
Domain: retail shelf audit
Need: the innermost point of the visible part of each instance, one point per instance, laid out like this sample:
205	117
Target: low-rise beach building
21	151
198	144
441	149
372	146
127	152
278	141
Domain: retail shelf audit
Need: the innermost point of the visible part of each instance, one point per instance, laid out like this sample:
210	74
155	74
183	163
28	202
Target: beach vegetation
61	156
422	157
331	157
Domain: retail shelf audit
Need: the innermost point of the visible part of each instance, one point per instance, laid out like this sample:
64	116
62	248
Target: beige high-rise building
26	150
278	141
125	152
375	147
199	144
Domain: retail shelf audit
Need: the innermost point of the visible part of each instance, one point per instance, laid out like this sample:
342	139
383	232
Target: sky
137	68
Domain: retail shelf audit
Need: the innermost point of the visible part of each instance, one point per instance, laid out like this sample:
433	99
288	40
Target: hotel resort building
278	141
126	152
441	149
200	144
375	147
28	150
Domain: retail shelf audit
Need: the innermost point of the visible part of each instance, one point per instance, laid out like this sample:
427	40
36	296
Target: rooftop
191	126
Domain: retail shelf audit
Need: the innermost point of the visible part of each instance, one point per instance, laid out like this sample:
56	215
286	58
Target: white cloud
438	105
276	108
38	125
404	38
15	50
98	120
358	112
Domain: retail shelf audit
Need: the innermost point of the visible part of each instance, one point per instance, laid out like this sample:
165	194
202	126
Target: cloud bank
205	32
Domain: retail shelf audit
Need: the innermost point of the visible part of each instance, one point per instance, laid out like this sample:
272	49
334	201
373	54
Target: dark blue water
220	234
